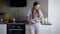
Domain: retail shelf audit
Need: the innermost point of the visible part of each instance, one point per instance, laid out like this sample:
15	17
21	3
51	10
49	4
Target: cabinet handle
15	29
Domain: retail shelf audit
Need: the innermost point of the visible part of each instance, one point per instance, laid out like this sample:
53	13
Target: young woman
34	15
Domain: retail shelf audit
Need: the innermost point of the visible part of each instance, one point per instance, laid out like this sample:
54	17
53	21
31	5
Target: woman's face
36	6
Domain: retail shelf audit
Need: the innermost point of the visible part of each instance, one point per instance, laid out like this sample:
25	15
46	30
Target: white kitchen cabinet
27	29
45	29
3	29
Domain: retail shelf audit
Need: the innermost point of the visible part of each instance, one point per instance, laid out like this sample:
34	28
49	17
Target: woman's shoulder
40	11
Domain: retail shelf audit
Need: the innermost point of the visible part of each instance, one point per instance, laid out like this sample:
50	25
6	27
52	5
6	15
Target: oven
15	28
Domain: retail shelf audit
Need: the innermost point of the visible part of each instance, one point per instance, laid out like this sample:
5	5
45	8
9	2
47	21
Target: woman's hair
35	3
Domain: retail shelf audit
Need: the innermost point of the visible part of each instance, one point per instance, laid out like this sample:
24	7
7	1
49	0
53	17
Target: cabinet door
45	29
3	29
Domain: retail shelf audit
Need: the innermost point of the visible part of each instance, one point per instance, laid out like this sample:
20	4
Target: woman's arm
41	16
28	16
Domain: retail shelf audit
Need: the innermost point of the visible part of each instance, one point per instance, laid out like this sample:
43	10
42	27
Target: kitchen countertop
25	23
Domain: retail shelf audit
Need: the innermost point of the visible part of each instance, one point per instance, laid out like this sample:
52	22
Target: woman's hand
35	20
32	20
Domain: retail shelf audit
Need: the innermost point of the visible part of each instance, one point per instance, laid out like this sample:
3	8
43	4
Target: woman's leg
36	32
31	29
37	28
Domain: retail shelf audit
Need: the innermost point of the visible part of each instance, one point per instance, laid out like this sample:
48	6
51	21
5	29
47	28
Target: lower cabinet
3	29
22	29
45	29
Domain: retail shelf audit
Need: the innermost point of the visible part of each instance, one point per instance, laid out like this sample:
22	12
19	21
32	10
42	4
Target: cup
1	19
13	20
46	20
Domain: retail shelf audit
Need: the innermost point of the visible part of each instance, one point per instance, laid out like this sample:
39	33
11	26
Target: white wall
54	15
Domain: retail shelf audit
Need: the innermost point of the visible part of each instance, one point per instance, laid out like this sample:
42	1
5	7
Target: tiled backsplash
21	12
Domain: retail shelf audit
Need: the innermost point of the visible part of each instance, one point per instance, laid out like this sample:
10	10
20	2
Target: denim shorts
35	27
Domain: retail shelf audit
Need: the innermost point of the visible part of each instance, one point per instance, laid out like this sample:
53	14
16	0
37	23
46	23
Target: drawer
15	26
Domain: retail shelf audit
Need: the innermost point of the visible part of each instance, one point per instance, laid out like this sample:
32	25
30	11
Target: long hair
37	10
